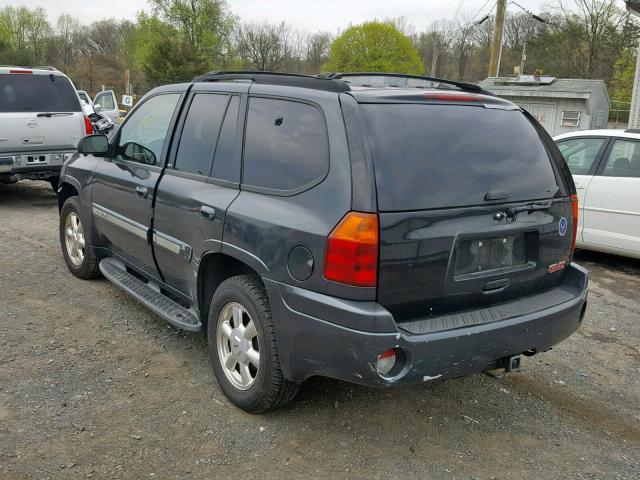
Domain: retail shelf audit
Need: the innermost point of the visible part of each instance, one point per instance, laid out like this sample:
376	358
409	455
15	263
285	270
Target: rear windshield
439	156
37	93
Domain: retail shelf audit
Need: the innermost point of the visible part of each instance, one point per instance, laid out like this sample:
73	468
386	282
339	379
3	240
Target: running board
175	314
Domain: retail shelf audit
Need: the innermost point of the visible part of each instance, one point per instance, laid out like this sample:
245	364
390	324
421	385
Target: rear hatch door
472	209
39	112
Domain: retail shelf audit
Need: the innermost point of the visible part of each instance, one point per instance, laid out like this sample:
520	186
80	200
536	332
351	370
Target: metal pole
524	58
496	44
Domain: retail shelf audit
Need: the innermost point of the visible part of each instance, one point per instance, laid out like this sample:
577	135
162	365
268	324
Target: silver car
41	122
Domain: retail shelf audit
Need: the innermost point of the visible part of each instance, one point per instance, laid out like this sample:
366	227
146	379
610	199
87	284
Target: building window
570	119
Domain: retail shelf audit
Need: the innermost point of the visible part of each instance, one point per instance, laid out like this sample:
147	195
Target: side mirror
97	145
137	153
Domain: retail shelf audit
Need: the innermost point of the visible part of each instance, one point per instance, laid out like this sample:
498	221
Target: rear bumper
24	163
321	335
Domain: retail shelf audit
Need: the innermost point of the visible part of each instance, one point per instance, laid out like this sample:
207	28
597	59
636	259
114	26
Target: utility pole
496	44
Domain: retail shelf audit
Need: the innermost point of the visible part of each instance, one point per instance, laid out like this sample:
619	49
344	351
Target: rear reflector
452	97
574	205
21	71
88	126
386	361
352	251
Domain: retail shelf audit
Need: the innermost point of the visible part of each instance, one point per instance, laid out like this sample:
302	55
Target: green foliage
181	39
621	85
373	47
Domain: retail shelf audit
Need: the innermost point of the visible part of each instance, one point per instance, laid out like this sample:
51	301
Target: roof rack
276	78
632	130
469	87
53	69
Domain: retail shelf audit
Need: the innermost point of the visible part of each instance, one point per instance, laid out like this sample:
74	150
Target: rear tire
240	331
75	241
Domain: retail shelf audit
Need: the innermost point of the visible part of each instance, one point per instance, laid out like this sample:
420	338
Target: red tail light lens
88	126
352	251
21	72
574	205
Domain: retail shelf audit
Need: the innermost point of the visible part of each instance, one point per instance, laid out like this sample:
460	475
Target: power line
455	16
480	10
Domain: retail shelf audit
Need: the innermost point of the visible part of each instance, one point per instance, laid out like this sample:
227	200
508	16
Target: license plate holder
481	255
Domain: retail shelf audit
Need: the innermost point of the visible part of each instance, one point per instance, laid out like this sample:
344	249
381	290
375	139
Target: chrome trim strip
172	244
609	210
120	221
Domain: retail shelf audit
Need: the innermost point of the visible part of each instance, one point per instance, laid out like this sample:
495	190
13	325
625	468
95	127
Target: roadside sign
127	100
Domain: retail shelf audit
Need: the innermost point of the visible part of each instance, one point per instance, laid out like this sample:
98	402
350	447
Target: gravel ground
94	385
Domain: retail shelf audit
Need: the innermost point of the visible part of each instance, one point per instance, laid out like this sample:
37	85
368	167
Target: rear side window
224	165
580	153
37	93
624	160
200	133
440	156
286	146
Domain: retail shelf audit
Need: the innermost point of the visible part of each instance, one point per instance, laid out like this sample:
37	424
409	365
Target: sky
309	15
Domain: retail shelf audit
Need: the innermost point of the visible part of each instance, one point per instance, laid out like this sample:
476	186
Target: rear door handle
142	192
208	213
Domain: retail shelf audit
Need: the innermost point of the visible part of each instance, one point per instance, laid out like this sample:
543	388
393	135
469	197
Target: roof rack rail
469	87
632	130
46	67
276	78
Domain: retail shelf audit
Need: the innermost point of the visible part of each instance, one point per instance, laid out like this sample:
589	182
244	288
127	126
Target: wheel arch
67	188
215	268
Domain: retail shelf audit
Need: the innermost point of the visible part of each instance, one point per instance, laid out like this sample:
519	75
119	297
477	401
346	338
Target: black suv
403	229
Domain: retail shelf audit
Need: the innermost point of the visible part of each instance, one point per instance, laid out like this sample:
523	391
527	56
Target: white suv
41	122
606	170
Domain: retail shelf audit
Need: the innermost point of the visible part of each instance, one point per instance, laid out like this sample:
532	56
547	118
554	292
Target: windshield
37	93
441	156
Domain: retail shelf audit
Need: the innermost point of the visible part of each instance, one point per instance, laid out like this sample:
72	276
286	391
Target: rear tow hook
504	365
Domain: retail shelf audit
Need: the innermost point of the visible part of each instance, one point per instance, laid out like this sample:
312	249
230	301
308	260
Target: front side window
623	160
200	133
580	153
286	146
570	119
105	100
143	135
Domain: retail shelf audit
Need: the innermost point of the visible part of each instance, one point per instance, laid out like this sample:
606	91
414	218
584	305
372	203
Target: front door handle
208	213
142	192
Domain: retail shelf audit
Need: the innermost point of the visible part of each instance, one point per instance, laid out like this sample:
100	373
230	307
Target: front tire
242	347
74	239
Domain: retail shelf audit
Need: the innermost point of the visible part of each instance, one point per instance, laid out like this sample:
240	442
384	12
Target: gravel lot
94	385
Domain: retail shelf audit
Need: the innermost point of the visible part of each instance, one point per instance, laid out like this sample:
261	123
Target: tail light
88	126
352	251
452	97
574	206
21	71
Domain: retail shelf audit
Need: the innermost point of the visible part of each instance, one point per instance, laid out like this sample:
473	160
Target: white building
561	105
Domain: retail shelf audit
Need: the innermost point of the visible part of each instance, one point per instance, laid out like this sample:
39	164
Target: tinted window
286	145
200	133
624	160
143	133
224	166
37	93
580	153
438	156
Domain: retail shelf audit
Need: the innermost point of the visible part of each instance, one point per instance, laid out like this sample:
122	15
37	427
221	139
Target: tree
373	47
264	46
